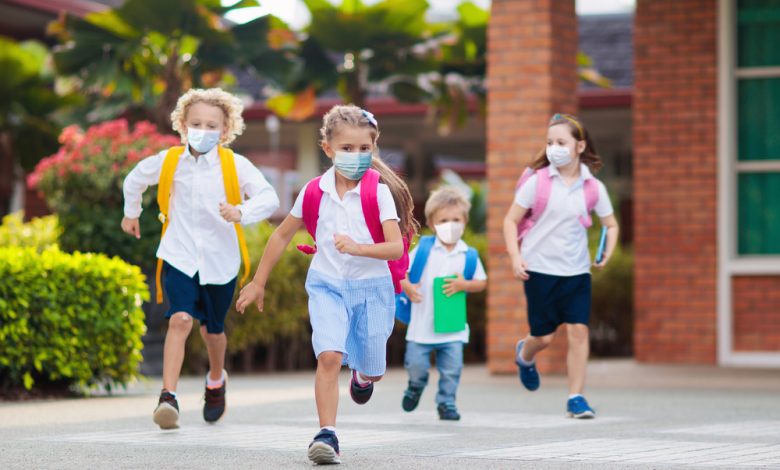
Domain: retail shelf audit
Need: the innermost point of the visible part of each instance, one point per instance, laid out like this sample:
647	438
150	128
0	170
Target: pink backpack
543	188
370	204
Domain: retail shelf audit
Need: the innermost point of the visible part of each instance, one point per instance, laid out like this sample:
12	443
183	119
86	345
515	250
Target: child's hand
454	285
520	268
249	294
346	245
413	292
229	213
131	226
603	262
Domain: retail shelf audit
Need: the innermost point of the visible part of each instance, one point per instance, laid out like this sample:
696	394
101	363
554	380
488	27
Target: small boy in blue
446	212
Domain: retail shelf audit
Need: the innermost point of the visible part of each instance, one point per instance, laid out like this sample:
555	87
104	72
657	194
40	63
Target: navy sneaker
360	393
166	415
324	449
577	407
214	406
529	376
411	397
448	412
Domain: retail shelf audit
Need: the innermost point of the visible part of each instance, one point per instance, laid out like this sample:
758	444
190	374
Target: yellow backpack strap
164	201
233	193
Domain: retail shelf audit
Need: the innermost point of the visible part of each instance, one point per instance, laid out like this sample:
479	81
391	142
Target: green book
449	313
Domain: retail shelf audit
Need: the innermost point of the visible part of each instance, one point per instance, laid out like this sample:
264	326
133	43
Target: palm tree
140	57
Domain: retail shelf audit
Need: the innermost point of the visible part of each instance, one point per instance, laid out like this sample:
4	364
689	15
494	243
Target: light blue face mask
202	140
352	165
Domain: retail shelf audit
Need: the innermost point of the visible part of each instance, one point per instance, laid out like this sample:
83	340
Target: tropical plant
82	183
137	59
28	129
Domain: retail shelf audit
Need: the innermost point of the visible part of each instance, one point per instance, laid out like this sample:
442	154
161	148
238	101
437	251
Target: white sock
328	428
172	393
574	395
362	381
215	383
523	361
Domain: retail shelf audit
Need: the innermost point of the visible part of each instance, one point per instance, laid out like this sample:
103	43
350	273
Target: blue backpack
403	306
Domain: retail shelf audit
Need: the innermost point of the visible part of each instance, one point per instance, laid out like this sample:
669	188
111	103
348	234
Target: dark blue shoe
448	412
360	393
411	398
324	449
578	407
529	376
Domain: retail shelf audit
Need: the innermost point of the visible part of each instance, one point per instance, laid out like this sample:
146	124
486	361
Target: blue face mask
201	139
352	165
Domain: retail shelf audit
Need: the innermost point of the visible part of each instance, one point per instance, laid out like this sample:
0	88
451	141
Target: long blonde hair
351	115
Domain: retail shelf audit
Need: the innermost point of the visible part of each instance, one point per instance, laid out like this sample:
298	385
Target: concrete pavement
648	417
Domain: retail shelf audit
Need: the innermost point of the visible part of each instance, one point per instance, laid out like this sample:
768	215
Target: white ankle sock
328	428
574	395
362	381
215	383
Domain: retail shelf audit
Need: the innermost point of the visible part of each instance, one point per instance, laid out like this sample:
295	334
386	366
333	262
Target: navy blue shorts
209	303
554	300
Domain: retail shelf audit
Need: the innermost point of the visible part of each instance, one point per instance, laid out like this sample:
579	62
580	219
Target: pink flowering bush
82	183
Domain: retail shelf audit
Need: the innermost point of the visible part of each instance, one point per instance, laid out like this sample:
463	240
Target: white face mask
202	140
558	155
449	232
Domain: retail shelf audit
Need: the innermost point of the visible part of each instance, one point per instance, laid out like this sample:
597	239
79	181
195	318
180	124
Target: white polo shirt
440	263
345	216
558	243
198	239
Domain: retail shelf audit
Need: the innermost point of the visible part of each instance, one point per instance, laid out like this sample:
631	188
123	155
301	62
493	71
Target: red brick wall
756	301
532	49
675	180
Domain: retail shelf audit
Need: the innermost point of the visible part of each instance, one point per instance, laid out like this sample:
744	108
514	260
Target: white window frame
730	263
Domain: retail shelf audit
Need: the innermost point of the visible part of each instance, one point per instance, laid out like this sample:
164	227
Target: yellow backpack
232	191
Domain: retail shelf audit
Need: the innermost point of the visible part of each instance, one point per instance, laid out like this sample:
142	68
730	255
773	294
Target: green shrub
39	233
68	319
82	184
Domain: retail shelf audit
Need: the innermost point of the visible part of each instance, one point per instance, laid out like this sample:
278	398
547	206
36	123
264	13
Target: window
758	127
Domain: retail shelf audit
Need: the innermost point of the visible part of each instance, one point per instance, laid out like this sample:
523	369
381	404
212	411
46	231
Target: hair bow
370	118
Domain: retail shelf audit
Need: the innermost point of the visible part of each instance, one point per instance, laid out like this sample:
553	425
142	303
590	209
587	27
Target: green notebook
449	313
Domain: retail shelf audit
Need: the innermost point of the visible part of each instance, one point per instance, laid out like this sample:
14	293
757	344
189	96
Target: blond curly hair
230	105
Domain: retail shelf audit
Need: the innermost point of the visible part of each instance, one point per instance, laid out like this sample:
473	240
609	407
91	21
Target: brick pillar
532	74
675	181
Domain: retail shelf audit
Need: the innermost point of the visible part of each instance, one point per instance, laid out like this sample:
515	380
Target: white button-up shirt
558	243
345	217
441	262
198	239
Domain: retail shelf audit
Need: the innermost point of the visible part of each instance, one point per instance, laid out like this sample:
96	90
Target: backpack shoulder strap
471	263
421	258
311	206
590	189
370	204
164	202
227	160
543	190
527	173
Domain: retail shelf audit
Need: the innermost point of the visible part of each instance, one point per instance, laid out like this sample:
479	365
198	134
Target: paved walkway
648	417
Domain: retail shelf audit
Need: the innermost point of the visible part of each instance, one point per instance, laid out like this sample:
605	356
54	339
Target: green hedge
68	319
39	233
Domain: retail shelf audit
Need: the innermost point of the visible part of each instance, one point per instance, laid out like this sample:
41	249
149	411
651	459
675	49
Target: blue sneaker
578	407
324	449
529	376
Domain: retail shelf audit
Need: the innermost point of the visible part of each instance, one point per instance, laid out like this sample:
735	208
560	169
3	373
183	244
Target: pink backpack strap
590	189
527	173
370	203
311	213
543	190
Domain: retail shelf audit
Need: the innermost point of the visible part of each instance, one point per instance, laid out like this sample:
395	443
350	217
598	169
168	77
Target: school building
706	171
